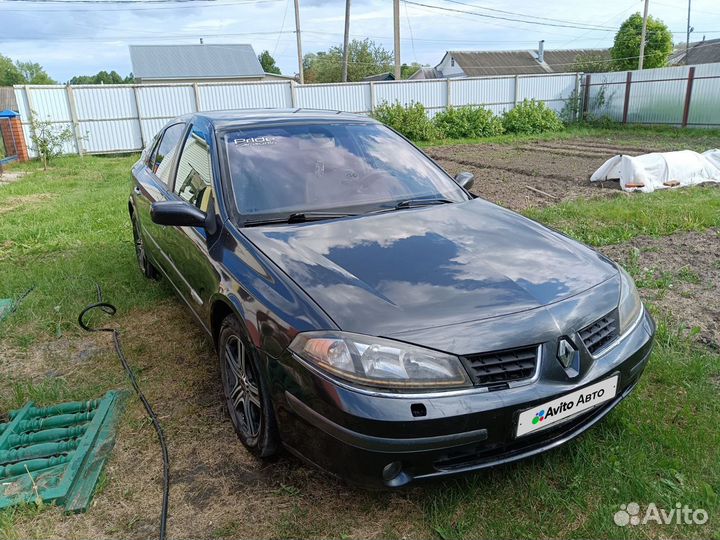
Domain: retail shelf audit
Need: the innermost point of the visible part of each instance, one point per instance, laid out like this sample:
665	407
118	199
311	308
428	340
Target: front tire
246	394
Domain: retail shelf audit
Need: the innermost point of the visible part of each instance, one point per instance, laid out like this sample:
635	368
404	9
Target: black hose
16	303
110	309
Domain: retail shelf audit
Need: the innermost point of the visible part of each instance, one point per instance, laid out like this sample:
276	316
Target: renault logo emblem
566	352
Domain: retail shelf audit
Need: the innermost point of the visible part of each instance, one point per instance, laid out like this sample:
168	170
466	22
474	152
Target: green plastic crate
55	454
6	306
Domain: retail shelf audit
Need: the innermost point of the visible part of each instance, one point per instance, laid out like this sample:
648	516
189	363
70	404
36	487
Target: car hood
433	266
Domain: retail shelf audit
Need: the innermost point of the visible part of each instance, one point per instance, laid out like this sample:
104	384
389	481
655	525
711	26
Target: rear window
279	170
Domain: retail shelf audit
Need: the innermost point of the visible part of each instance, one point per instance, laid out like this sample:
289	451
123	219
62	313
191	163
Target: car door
188	247
153	182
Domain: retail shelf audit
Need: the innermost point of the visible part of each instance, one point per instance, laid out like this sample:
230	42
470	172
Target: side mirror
178	213
465	179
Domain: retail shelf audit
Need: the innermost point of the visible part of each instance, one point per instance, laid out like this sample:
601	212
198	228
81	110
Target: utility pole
346	50
687	39
396	22
642	35
299	41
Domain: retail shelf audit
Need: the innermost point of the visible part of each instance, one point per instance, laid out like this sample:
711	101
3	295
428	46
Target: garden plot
534	174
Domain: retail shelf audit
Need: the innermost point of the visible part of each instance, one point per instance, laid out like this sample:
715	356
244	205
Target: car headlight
379	362
630	304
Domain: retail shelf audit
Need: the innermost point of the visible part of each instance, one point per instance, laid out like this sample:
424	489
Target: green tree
103	77
268	63
625	51
48	138
9	74
33	73
593	62
407	70
365	58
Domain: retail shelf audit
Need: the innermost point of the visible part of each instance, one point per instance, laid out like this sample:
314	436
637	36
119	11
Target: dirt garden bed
515	175
679	274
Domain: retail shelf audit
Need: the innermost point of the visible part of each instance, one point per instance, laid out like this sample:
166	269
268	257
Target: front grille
502	366
600	333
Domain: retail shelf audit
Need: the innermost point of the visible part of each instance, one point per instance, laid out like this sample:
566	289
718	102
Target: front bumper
379	440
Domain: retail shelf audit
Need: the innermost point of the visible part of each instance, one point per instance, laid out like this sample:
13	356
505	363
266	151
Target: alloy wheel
242	388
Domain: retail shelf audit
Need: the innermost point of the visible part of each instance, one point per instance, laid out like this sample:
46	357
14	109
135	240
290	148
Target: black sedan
370	314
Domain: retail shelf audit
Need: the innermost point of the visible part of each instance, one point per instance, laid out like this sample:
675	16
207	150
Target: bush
411	121
530	117
47	138
468	122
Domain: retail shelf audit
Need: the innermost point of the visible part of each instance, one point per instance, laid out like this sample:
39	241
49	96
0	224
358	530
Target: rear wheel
146	267
246	394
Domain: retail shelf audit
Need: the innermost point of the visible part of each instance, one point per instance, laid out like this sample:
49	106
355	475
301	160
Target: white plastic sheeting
661	170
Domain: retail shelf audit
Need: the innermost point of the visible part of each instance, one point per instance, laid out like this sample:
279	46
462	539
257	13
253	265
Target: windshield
281	170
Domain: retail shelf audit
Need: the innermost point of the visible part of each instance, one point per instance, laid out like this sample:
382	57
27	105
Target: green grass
69	227
610	221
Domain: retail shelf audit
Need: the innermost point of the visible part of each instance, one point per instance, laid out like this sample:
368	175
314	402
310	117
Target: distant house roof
426	73
387	76
699	52
483	63
194	61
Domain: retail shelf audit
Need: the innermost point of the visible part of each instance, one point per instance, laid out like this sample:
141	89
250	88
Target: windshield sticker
255	141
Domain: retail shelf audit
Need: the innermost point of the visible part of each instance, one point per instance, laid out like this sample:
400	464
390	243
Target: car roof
240	117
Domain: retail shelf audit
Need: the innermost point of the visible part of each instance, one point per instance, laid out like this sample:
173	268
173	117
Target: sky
82	37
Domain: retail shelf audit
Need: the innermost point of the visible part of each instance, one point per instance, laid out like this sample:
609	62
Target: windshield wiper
414	203
298	217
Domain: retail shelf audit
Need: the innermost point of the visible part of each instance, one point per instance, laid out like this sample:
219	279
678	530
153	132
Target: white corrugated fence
123	118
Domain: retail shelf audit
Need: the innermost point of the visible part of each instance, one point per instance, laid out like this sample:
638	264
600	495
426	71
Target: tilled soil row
539	162
511	189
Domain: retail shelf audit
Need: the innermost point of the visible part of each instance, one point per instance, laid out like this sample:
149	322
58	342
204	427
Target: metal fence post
74	118
372	97
516	96
688	96
293	94
196	94
448	102
31	112
626	105
139	115
586	97
576	105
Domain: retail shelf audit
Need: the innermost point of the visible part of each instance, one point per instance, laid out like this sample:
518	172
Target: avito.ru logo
682	514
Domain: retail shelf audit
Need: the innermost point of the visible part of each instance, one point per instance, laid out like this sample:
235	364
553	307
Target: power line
527	15
282	26
140	37
500	17
162	6
105	2
484	15
412	37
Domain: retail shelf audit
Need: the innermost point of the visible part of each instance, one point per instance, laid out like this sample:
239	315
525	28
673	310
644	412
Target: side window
151	152
194	175
166	150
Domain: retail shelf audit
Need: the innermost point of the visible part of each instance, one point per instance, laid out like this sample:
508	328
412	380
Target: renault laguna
370	314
